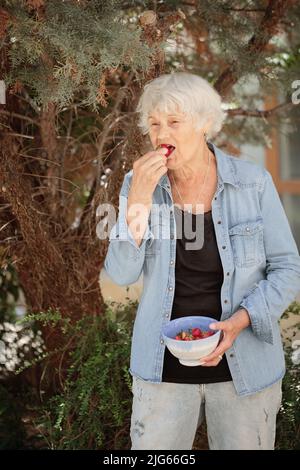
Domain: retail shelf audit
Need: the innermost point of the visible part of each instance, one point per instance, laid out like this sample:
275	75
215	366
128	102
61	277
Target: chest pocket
159	228
247	243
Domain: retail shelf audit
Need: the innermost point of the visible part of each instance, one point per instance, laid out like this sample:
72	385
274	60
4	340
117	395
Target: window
283	162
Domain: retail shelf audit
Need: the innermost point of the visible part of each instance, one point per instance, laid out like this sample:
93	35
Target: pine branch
274	13
88	211
20	116
261	113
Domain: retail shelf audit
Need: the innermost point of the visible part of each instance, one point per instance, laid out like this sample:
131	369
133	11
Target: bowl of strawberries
190	338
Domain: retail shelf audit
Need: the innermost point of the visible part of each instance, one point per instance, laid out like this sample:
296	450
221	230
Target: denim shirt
261	266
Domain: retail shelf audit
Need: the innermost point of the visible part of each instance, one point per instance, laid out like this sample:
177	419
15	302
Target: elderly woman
243	271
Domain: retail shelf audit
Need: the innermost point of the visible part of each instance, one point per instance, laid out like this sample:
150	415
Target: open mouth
170	148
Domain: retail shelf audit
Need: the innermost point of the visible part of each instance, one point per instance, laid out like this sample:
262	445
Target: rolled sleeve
121	230
125	259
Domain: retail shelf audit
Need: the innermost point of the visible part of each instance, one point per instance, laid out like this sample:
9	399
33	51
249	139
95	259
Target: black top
198	281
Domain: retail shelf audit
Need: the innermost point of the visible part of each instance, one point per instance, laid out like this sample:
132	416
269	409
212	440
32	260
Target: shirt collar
225	168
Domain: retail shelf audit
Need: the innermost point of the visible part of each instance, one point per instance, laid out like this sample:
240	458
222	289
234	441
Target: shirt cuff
121	230
261	322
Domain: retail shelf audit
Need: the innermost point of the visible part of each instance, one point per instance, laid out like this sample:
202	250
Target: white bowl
189	353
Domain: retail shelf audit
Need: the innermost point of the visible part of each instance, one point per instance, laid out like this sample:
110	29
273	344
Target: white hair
192	94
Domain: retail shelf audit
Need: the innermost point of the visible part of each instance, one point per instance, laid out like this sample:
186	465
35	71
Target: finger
219	351
211	363
220	325
160	169
154	162
156	153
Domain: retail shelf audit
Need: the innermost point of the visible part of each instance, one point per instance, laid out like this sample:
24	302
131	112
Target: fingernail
212	326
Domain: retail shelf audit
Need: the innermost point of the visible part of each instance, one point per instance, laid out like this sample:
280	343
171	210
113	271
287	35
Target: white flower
23	340
9	326
296	344
19	328
9	354
296	353
296	357
9	337
10	366
2	359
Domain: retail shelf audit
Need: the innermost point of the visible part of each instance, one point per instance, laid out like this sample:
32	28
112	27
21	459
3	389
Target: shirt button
231	355
167	315
227	274
161	341
171	262
225	301
170	288
117	236
172	237
219	222
215	198
247	229
223	247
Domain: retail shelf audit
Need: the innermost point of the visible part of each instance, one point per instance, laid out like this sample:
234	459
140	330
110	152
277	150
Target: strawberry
196	332
206	334
169	147
193	334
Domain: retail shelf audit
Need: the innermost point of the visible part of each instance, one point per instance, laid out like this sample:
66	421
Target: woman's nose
163	134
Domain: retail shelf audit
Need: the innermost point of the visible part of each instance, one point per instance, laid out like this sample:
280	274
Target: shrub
93	409
288	421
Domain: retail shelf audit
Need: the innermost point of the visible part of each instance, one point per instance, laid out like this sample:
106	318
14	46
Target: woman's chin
171	158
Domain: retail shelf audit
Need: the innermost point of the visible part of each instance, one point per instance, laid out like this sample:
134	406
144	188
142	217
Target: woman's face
176	129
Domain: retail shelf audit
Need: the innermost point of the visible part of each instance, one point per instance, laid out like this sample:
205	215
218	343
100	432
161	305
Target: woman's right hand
147	171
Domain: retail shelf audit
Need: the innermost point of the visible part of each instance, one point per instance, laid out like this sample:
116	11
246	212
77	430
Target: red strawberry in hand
169	147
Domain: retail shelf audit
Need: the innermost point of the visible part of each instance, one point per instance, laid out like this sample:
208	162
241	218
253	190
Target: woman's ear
206	128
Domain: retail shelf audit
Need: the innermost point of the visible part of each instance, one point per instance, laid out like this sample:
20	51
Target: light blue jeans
167	415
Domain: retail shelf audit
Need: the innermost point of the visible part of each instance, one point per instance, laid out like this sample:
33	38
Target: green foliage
68	51
50	317
288	421
93	409
294	308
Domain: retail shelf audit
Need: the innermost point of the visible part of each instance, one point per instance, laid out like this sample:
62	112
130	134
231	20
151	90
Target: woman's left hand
231	328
